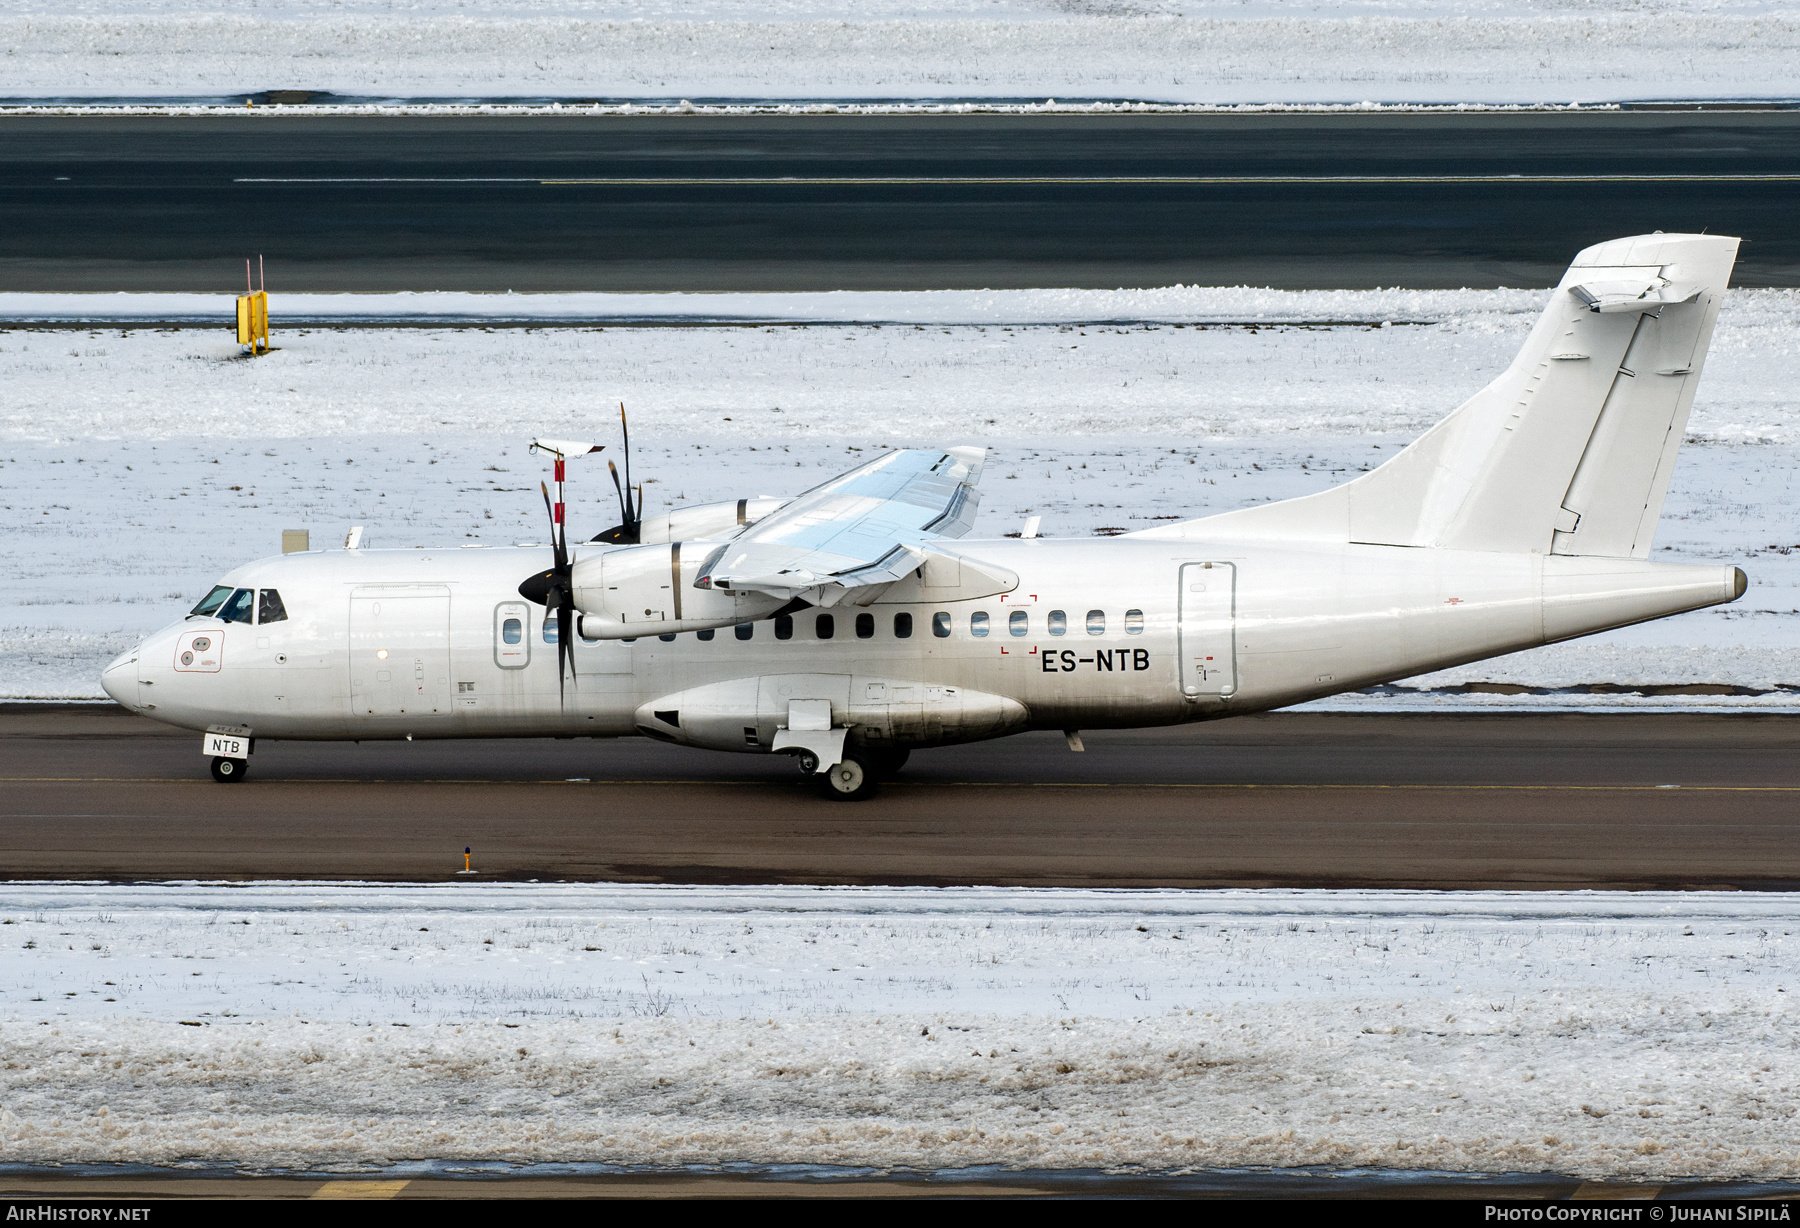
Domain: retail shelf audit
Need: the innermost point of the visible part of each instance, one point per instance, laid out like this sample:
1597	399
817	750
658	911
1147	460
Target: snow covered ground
136	465
1604	1034
1197	51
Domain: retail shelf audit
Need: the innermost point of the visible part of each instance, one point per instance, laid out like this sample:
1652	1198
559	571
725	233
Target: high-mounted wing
856	533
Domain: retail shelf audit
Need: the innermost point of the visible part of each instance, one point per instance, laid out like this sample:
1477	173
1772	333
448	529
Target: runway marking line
686	181
360	1189
924	784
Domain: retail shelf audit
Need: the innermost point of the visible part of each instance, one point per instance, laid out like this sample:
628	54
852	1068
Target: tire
230	771
850	781
886	764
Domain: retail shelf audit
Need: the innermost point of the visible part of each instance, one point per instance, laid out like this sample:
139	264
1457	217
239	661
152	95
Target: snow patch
1606	1034
1340	51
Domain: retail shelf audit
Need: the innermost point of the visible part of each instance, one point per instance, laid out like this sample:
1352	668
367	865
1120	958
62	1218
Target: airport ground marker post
253	314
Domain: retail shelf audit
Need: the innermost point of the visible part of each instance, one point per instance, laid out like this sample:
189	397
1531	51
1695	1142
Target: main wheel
850	781
886	764
230	771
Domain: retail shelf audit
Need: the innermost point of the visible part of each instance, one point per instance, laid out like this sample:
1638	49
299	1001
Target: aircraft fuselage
1101	633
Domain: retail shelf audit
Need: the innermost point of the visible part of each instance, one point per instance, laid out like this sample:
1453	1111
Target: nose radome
120	678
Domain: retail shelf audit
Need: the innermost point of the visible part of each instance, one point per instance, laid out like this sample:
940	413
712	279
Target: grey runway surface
871	202
1299	800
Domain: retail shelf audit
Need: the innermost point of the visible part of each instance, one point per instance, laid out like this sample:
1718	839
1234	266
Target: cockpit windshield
238	608
210	603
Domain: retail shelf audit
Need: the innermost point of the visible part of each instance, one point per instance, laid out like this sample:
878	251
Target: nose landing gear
229	771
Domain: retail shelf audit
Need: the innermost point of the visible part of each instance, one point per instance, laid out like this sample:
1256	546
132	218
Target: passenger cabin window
865	626
826	627
238	606
667	637
745	630
210	603
1134	622
269	608
978	624
1096	622
549	628
704	635
512	631
1059	622
784	627
940	625
903	626
1019	623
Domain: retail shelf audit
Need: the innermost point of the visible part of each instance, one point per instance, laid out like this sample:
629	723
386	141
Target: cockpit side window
238	606
270	609
210	603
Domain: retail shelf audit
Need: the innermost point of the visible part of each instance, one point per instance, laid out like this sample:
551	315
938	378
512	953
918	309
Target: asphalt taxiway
1302	799
834	202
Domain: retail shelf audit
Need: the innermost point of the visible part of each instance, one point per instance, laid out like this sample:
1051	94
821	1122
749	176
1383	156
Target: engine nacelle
630	591
706	521
746	713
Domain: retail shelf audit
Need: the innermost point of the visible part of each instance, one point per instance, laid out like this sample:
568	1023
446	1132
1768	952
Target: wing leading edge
857	533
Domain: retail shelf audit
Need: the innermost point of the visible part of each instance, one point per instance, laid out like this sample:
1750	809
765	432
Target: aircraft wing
857	533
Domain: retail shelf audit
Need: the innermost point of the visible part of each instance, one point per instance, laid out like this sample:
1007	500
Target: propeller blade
624	508
565	644
558	545
631	513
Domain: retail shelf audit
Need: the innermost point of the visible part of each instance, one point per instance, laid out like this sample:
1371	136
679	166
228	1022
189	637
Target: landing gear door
1208	647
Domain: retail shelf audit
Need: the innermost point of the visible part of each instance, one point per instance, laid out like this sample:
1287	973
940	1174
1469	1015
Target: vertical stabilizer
1570	450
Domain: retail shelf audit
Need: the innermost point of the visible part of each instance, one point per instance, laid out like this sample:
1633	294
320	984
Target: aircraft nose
120	678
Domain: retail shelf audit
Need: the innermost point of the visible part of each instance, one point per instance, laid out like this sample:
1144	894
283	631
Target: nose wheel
230	771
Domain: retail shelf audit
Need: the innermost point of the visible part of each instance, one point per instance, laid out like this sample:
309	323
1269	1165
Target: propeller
554	589
629	530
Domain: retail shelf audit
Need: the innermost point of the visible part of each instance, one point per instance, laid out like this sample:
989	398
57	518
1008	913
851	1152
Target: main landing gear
857	776
230	771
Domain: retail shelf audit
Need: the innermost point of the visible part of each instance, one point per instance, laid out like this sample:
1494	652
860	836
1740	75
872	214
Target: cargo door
400	651
1208	647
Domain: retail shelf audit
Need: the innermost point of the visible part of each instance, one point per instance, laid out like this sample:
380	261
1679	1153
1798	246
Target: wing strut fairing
850	538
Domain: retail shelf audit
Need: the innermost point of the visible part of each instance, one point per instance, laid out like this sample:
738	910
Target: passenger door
1208	639
400	651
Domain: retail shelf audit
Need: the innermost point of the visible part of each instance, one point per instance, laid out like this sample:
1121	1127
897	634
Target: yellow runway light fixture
253	314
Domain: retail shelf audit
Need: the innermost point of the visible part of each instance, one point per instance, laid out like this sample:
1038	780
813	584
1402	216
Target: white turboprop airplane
857	621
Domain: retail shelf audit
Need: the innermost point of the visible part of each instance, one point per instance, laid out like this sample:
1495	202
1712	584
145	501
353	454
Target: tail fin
1570	450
